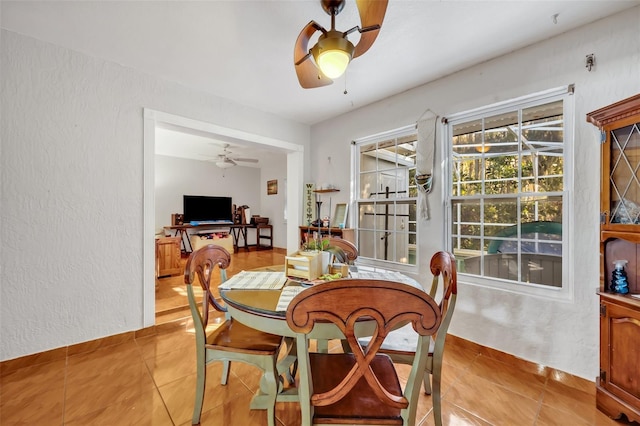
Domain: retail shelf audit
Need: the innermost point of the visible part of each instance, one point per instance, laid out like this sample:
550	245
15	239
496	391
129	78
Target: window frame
564	93
355	201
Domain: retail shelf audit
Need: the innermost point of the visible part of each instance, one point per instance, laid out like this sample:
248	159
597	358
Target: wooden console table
240	232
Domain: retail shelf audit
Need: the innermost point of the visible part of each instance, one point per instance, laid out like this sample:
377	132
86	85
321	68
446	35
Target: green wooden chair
231	340
401	344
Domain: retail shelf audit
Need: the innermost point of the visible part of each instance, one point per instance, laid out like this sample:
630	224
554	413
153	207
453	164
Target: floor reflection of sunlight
180	290
216	319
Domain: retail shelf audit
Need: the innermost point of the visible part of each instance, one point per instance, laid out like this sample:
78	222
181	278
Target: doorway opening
153	119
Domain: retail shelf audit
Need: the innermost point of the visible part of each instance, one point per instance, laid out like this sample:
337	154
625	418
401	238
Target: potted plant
330	254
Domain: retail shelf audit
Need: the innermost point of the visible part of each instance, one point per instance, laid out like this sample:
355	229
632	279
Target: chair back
443	268
348	249
201	264
387	305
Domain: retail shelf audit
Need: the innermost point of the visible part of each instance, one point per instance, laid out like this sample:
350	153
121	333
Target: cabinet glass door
623	178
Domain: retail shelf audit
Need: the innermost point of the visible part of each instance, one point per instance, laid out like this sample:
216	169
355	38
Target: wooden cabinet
346	233
168	256
618	385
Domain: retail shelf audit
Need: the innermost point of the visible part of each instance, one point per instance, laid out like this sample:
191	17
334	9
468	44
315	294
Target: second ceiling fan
226	159
333	51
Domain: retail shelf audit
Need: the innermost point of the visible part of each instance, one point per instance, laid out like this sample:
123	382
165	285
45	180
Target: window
386	197
508	191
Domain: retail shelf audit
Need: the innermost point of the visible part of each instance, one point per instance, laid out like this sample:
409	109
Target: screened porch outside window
507	192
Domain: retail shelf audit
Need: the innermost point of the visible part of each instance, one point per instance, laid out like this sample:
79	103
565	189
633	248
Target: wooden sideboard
345	233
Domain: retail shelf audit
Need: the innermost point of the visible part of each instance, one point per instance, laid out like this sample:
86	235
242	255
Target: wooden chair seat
360	405
234	336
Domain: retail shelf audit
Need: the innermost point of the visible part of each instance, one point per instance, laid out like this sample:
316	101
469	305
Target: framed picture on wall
272	187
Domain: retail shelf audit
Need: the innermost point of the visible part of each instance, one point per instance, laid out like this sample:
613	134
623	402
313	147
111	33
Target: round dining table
264	310
259	308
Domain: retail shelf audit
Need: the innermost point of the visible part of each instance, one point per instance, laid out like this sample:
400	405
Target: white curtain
425	159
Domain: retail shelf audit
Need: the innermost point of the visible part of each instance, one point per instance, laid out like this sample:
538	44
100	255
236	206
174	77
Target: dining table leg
287	365
264	398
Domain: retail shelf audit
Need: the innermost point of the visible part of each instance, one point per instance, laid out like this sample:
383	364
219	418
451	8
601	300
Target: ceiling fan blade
245	160
308	74
371	13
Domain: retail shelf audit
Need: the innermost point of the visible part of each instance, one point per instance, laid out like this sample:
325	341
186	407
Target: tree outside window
507	192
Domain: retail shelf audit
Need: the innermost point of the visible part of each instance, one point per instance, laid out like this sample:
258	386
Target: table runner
255	280
288	293
385	275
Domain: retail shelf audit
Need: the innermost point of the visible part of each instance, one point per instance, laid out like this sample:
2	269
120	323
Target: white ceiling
243	50
174	141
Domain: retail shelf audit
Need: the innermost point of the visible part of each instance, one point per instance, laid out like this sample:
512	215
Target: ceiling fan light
333	63
333	54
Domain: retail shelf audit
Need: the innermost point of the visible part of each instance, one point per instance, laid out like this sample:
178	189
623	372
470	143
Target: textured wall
72	189
560	334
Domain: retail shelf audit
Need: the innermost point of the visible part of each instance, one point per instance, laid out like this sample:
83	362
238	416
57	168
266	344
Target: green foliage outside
511	171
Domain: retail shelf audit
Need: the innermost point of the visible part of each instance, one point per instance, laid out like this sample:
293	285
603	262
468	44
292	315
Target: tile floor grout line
64	385
155	384
540	402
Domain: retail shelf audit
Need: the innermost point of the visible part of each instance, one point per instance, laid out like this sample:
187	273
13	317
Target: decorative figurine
619	283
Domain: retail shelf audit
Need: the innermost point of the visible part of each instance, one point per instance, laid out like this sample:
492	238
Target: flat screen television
200	208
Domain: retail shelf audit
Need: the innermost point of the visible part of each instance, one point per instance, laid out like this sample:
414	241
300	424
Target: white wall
176	177
72	189
563	335
272	206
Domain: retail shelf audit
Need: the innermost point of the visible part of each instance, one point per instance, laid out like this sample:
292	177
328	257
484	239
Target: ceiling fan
333	51
226	159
